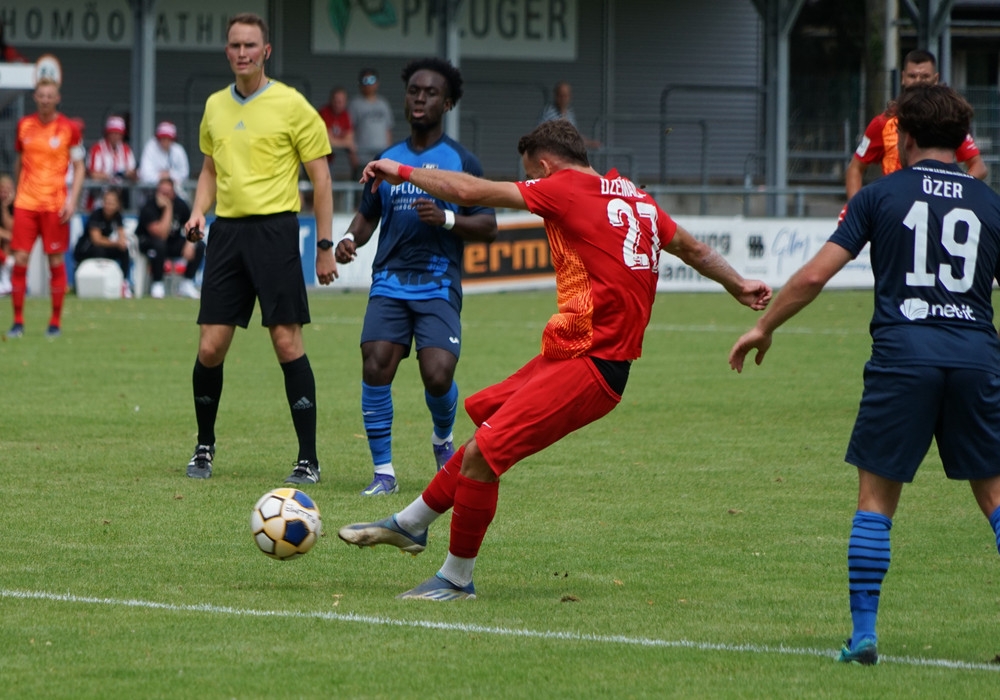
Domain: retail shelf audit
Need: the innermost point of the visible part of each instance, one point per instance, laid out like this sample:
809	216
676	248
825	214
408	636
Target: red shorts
537	406
29	225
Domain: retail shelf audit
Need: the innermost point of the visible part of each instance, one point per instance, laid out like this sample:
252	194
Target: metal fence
986	128
819	151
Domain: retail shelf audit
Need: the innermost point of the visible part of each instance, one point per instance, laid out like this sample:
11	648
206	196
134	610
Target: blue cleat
53	332
865	655
385	531
440	589
382	485
16	331
443	452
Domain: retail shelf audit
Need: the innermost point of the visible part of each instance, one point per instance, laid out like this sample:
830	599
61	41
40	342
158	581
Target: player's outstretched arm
450	185
703	258
801	288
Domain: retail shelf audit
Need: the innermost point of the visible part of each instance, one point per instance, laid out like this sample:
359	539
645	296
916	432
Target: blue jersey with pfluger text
415	260
935	251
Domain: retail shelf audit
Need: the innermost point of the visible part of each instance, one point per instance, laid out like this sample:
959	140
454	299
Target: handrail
671	88
350	192
601	123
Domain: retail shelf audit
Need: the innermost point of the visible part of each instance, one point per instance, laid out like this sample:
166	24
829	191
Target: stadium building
758	95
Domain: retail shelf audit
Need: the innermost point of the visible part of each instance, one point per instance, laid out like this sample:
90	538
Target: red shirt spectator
339	127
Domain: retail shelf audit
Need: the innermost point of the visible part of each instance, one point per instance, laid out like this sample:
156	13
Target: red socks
474	503
475	506
440	493
57	288
19	286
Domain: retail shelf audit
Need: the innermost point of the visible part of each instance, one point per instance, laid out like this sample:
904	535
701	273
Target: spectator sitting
339	128
111	161
104	236
162	156
161	237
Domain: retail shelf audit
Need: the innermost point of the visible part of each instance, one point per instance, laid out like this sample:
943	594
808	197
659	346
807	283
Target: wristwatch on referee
324	244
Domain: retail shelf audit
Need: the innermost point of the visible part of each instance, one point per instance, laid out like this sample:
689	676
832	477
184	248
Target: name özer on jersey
621	187
916	309
942	188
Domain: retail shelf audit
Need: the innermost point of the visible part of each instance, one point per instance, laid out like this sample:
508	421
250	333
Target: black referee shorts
251	258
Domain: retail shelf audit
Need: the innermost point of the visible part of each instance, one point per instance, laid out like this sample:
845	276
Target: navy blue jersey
935	250
414	260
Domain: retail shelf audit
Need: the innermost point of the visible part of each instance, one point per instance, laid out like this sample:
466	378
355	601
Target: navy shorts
251	258
902	408
433	323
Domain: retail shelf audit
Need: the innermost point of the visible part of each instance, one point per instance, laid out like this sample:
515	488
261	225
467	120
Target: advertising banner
528	30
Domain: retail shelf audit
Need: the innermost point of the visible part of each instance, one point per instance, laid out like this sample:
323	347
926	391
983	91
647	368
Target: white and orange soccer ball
285	523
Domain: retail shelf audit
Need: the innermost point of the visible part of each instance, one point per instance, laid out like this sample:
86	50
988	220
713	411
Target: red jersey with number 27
605	236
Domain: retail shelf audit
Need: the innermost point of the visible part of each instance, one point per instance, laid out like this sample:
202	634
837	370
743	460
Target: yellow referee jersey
257	144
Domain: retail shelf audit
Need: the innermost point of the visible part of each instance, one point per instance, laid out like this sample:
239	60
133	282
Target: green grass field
691	544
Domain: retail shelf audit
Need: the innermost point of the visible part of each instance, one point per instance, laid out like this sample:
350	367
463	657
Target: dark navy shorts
249	259
902	408
433	323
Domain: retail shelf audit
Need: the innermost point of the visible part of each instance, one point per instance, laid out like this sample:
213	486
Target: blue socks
376	410
443	410
867	564
995	522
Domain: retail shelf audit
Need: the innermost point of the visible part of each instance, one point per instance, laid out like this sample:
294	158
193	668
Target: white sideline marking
479	629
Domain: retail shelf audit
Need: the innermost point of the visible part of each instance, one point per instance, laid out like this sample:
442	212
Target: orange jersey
879	145
890	140
46	153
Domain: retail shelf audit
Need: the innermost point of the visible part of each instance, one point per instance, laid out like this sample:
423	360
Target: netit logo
918	309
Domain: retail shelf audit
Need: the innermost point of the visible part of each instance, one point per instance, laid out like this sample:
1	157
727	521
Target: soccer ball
285	523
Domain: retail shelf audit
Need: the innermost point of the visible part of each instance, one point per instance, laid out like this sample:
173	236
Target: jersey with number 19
935	251
605	235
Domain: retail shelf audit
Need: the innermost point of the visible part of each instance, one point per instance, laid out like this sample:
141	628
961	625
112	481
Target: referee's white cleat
305	472
200	466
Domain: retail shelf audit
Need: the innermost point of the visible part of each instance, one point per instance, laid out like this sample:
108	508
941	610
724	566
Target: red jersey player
878	145
47	143
605	235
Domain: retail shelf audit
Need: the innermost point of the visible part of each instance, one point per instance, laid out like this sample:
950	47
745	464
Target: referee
254	135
